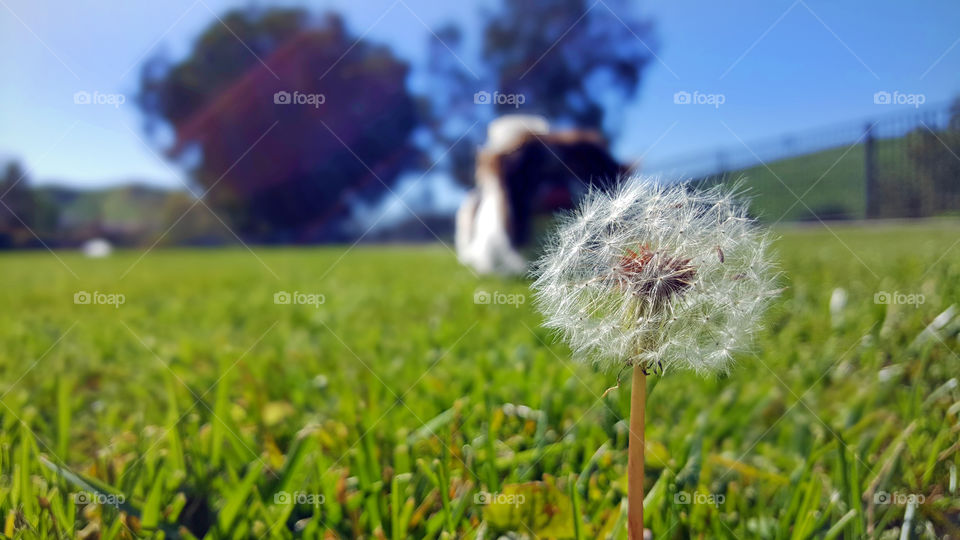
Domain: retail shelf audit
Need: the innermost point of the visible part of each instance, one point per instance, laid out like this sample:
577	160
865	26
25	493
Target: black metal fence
899	165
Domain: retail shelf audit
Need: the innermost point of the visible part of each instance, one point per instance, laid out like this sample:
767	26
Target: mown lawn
400	407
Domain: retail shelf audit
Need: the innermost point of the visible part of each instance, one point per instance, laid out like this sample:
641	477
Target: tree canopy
284	119
567	57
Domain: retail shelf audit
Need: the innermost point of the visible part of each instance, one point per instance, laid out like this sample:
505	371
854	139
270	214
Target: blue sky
781	66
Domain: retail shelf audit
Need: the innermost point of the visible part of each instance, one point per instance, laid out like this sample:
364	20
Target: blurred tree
452	116
568	58
572	61
17	213
285	118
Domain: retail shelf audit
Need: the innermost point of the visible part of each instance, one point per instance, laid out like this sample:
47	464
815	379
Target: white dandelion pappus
657	277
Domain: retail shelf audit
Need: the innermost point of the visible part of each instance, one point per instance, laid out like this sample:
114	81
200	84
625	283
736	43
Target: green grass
830	183
200	404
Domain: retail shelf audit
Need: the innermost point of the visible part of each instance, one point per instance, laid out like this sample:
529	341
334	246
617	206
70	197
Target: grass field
402	408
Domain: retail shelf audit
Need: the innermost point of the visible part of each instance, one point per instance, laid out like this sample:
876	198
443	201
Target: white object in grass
97	248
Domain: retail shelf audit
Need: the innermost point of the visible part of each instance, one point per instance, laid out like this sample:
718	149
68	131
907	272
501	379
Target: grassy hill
830	183
127	207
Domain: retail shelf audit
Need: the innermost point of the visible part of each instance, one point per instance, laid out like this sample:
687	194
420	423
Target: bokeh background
282	343
158	123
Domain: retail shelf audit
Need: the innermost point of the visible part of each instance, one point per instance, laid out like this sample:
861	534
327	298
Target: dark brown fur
545	173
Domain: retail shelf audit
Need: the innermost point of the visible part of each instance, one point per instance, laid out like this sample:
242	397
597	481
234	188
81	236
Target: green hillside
829	183
130	206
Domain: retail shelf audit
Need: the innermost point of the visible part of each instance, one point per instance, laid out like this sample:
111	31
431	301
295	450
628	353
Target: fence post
870	173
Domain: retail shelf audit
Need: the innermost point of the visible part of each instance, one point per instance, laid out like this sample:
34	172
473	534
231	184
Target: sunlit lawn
399	406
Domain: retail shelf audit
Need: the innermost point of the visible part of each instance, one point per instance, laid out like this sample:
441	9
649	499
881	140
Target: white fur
482	240
506	131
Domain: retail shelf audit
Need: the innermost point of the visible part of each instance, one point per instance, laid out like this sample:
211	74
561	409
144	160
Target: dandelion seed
675	272
655	278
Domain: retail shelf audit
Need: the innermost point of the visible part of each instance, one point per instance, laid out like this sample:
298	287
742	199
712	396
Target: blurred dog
523	170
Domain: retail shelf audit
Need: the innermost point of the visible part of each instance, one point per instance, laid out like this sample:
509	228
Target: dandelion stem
638	405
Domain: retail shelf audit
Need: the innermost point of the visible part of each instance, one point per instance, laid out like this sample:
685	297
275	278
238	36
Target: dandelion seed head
656	275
